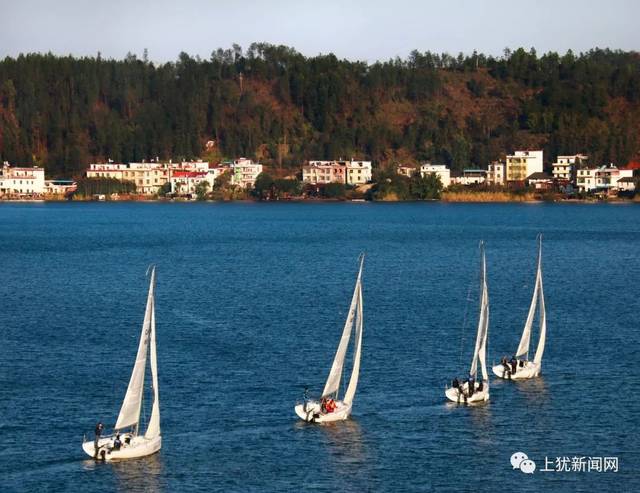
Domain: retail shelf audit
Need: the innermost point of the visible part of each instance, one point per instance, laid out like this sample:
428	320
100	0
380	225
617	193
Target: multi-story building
439	170
607	177
244	172
107	170
148	177
21	180
565	166
185	182
323	172
358	172
586	179
495	173
348	172
521	164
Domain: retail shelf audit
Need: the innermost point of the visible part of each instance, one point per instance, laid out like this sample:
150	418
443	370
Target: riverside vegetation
275	105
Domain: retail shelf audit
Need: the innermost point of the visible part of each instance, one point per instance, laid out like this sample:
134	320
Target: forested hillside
276	105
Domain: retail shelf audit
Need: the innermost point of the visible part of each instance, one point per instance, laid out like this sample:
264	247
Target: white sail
130	410
333	381
543	316
355	372
479	352
153	429
523	347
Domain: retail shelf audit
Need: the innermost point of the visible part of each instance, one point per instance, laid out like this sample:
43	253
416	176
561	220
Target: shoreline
466	200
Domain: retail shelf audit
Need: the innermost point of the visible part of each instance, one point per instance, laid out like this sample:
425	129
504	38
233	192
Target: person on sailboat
514	364
331	405
507	368
455	383
471	382
98	432
117	443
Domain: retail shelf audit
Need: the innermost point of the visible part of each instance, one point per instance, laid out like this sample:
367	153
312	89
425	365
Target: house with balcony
522	164
21	181
496	173
564	169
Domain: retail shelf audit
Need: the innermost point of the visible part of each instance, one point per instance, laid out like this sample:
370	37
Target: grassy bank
488	196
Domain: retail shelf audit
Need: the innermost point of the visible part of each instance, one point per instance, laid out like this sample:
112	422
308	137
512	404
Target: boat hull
479	396
529	370
138	447
312	412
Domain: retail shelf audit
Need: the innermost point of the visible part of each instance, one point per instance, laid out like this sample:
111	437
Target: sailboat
330	407
520	368
126	442
472	391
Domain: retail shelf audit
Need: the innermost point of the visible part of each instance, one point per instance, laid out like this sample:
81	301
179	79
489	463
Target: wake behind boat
329	407
472	391
126	442
519	367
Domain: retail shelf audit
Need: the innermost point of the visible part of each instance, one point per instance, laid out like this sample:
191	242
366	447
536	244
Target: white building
185	182
564	167
607	177
21	181
603	178
439	170
495	173
348	172
627	184
245	172
323	172
471	177
59	187
586	179
358	172
522	164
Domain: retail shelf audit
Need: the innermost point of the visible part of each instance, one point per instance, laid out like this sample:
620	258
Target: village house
185	182
522	164
470	177
407	171
22	181
323	172
627	184
565	167
244	172
59	187
347	172
440	170
607	178
358	172
495	173
540	181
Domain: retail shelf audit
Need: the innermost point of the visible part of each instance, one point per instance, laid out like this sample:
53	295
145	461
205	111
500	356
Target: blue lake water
251	299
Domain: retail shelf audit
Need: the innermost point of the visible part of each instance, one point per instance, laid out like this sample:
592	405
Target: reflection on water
343	440
534	390
139	474
347	451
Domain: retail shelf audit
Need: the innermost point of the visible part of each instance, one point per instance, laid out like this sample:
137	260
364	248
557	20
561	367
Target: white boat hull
529	370
138	447
312	412
455	395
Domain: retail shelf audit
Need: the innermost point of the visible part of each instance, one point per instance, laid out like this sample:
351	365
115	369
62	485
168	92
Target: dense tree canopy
276	105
